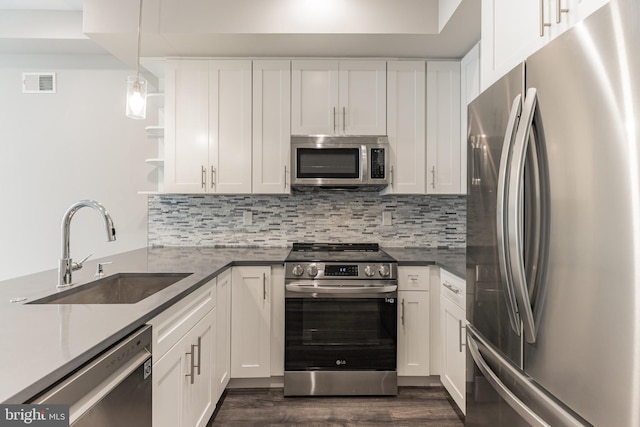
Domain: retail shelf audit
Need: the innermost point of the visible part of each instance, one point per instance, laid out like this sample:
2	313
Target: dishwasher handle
91	383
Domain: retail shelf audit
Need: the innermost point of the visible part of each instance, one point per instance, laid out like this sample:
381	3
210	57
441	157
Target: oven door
340	327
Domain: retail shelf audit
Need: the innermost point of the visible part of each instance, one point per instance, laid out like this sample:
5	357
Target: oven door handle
315	289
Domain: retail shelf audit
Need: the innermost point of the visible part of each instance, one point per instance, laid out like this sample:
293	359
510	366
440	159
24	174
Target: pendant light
137	87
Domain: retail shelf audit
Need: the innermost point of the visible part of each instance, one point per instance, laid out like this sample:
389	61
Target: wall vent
38	82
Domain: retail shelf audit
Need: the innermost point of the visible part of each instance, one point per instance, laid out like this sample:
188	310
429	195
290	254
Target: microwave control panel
377	163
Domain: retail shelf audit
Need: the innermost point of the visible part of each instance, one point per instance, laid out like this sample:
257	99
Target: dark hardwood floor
414	406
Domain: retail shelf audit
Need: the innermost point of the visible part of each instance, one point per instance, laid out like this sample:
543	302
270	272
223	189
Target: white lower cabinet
223	337
184	342
452	326
183	383
413	321
413	333
251	322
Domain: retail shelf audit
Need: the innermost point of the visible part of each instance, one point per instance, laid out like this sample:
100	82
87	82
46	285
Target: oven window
328	162
340	333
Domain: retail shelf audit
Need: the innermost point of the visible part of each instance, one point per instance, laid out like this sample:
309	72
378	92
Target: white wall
56	149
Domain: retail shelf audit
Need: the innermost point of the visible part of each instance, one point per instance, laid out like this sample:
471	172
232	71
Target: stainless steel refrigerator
553	258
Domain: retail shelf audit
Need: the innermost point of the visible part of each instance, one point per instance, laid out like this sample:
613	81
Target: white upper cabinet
406	127
230	126
208	126
338	97
271	126
444	145
186	125
512	30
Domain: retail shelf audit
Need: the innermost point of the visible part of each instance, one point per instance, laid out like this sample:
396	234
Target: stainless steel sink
121	288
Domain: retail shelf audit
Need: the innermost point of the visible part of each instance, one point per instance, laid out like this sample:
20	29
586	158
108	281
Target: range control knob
312	270
369	270
297	270
384	270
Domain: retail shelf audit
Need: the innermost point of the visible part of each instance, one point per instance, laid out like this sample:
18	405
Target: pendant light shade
136	97
136	86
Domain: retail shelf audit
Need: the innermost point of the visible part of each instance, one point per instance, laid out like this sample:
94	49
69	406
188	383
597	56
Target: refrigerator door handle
557	415
523	410
503	253
514	216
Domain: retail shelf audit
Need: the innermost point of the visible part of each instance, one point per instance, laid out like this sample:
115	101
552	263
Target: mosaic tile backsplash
280	220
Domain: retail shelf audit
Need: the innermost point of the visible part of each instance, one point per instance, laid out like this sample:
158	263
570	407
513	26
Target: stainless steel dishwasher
114	389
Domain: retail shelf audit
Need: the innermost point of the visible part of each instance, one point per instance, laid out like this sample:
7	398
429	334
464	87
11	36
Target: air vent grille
39	82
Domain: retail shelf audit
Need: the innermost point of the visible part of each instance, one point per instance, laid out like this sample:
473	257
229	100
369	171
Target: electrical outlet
247	218
386	218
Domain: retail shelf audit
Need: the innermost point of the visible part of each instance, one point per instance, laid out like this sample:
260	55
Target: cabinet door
444	145
413	333
176	400
452	324
168	387
271	126
406	127
362	98
314	97
198	397
510	31
250	322
223	336
186	126
229	127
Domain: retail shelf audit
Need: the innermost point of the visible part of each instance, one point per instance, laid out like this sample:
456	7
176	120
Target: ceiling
56	27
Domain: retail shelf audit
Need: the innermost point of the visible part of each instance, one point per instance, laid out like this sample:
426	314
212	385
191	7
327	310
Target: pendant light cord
139	31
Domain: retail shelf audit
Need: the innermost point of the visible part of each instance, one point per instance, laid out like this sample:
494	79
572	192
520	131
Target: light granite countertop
42	343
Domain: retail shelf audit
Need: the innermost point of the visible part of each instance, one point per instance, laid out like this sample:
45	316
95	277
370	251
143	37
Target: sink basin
121	288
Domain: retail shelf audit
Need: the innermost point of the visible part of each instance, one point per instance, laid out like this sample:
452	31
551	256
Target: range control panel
336	270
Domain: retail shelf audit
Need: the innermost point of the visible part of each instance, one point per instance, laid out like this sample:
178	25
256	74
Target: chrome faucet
66	266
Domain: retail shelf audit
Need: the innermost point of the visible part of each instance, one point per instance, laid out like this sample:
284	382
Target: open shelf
155	162
154	131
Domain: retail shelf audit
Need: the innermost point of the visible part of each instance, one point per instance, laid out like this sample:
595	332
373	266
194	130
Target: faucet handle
100	269
78	265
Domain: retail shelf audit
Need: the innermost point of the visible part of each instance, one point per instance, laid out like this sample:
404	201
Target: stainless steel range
340	320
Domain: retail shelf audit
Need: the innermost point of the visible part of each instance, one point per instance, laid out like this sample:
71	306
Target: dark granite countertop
452	260
43	343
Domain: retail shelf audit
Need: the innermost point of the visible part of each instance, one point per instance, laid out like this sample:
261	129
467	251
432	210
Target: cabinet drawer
453	287
173	323
413	278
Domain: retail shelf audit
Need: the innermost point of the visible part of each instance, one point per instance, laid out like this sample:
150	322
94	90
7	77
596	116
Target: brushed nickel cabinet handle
433	177
213	175
203	176
264	287
560	11
344	119
191	364
542	23
391	175
334	119
460	328
451	288
199	345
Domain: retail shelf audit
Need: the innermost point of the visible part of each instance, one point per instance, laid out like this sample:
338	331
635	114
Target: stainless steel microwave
339	161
